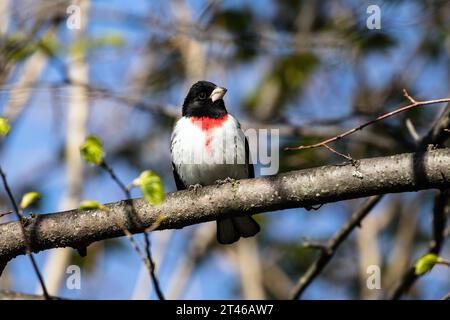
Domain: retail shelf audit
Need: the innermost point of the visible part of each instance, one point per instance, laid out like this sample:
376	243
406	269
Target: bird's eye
202	96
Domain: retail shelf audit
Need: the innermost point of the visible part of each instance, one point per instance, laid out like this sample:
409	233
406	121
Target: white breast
202	156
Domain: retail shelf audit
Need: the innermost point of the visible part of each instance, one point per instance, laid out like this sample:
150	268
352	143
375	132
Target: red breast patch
206	123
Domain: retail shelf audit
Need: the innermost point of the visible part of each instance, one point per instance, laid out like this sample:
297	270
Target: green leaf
81	47
425	263
17	47
285	81
151	187
78	48
4	126
29	198
49	45
111	39
91	150
91	205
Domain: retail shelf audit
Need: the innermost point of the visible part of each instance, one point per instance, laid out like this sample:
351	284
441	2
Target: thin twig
25	237
443	262
148	262
5	213
440	211
113	176
316	268
413	104
152	267
201	241
412	130
348	157
135	246
148	259
434	136
307	243
13	295
328	251
447	233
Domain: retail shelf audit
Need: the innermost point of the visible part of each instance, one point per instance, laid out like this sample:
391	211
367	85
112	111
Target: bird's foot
226	180
195	187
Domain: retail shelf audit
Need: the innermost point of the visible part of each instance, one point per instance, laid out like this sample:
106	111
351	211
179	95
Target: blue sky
35	140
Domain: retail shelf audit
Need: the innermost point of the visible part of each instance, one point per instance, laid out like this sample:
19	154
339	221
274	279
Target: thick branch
437	136
75	228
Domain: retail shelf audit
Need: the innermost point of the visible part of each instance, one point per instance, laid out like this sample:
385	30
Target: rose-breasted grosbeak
208	146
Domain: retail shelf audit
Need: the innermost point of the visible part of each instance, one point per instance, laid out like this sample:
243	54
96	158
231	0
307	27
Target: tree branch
147	259
12	295
330	248
24	235
399	173
440	212
434	136
413	104
440	132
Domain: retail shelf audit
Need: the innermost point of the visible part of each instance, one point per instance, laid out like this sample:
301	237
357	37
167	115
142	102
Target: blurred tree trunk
78	110
250	269
204	236
402	251
5	280
367	238
4	21
21	93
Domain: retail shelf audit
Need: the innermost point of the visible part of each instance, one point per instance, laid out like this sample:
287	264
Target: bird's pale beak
218	93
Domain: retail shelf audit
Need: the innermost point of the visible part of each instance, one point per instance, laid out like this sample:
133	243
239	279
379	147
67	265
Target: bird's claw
195	187
224	181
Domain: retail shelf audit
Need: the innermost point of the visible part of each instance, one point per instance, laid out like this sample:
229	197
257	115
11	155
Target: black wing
180	185
251	169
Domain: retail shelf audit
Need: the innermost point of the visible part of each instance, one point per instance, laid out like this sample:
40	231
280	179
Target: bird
208	147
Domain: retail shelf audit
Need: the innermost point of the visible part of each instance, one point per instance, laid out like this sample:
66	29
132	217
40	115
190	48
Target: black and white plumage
208	145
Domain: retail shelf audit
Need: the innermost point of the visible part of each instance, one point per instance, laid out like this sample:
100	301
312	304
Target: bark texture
75	228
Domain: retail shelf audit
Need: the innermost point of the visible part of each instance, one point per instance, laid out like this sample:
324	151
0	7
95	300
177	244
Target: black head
205	100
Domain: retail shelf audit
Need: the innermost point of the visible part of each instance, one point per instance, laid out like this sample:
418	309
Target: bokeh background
308	68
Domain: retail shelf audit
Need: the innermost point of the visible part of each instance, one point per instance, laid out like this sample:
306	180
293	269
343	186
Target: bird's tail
230	230
82	251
